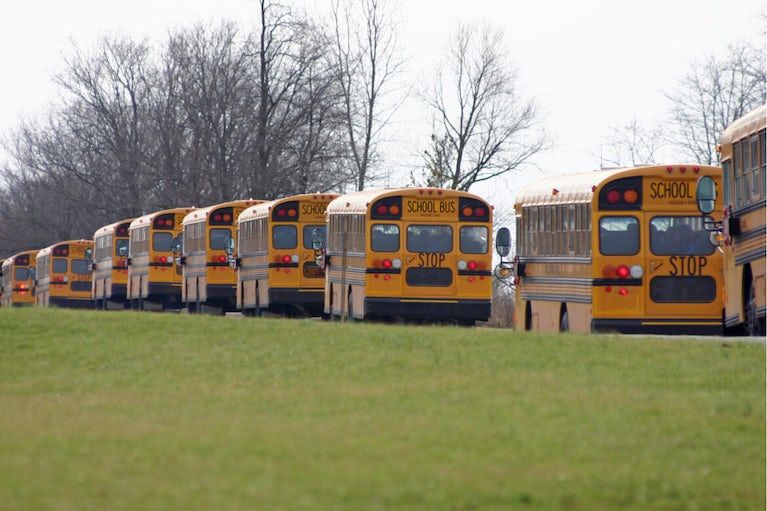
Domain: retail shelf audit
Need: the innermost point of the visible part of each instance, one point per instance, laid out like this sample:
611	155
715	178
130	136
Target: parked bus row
655	249
413	253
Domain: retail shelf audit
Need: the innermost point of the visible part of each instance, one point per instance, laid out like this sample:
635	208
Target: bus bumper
223	292
70	303
119	292
659	326
165	293
432	309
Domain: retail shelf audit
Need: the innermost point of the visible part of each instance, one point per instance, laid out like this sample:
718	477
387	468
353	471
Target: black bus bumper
169	294
119	293
429	309
70	303
221	292
310	300
659	326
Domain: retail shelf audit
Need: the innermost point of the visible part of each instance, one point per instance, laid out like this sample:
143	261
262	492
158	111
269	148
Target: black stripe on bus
156	265
537	297
283	265
383	270
617	282
479	273
751	256
736	212
751	233
217	264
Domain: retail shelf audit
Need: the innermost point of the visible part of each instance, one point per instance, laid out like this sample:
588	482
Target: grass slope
147	411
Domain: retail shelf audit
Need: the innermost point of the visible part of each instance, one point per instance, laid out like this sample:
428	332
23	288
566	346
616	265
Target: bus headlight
636	271
169	259
294	258
396	263
461	265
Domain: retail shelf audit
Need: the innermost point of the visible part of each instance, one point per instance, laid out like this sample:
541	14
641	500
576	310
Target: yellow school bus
63	274
743	153
208	279
154	281
277	270
410	253
110	265
18	279
622	250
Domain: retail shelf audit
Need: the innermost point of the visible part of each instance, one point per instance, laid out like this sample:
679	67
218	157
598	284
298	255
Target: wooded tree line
289	105
210	114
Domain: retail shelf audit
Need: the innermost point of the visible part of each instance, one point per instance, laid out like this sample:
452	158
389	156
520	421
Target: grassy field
112	411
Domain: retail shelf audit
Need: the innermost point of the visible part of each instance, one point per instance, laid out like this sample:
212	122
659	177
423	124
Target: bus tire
753	325
350	307
528	317
257	312
564	319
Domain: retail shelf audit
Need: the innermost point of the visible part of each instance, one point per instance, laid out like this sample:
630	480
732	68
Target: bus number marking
430	260
687	265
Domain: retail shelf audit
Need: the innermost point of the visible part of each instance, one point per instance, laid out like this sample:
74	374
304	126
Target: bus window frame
639	235
85	268
372	238
227	230
460	239
284	226
155	234
692	217
53	264
407	239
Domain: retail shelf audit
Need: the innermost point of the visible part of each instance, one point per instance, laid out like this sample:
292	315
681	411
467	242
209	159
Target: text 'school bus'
410	253
18	277
743	155
110	265
621	250
154	281
208	280
277	269
63	274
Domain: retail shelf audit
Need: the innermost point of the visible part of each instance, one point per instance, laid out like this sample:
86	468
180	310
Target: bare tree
712	95
632	144
479	114
367	57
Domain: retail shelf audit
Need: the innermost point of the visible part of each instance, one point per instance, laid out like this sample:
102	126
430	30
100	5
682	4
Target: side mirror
229	248
88	254
705	194
318	239
175	245
122	251
32	273
503	242
322	260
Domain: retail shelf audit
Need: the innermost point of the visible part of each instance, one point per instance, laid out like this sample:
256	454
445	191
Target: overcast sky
589	64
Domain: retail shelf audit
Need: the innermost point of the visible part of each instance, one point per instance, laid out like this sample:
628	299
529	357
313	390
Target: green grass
112	411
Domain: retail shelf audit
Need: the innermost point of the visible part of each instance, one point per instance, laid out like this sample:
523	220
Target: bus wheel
564	320
753	325
528	317
350	307
257	312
